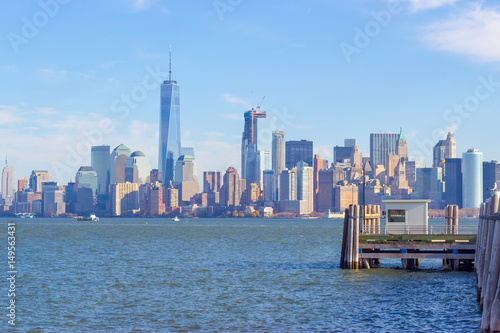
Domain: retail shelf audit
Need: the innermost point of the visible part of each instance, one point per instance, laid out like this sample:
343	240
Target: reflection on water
223	275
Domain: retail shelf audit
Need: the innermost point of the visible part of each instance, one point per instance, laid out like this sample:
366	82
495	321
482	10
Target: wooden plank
416	246
416	238
421	255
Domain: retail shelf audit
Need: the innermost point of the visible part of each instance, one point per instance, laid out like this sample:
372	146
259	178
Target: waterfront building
124	197
253	193
297	151
249	168
381	146
137	168
185	179
24	200
319	164
491	176
155	205
37	178
172	199
305	186
328	179
118	161
170	127
444	149
344	195
53	199
231	188
269	185
453	181
86	182
212	181
472	169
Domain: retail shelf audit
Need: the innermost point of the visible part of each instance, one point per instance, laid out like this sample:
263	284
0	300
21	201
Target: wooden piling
343	251
490	281
355	248
487	252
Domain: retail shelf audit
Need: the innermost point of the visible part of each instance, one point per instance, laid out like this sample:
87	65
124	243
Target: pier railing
421	230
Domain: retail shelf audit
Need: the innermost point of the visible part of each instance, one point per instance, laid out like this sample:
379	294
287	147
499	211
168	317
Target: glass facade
297	151
99	160
381	146
472	189
170	129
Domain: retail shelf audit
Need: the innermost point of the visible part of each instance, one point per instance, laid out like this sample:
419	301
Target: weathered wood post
493	271
343	251
357	217
487	252
455	219
479	256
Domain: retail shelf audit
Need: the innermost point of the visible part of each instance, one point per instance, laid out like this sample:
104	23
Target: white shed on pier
406	216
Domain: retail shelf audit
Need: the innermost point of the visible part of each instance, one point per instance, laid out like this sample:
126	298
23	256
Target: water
126	275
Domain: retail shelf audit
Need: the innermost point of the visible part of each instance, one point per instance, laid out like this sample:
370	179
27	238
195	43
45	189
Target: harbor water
235	274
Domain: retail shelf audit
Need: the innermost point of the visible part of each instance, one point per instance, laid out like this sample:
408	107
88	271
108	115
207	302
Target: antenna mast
170	64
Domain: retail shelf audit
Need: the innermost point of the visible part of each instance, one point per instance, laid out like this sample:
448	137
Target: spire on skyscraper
401	136
170	64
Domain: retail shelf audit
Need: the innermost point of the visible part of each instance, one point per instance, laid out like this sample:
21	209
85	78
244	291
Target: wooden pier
363	244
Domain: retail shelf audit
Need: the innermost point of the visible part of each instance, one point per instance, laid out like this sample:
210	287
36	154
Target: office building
305	186
155	205
212	181
349	142
268	188
430	185
53	199
297	151
453	181
37	178
444	149
99	160
381	146
472	184
172	197
7	182
137	168
411	172
402	146
124	197
319	164
86	182
118	161
185	179
170	128
278	152
344	195
491	176
249	149
231	188
288	185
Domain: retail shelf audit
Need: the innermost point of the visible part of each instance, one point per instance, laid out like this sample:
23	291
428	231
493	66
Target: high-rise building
411	172
249	168
288	185
453	181
430	185
172	199
124	197
297	151
305	186
278	152
344	195
137	168
86	182
491	176
472	169
212	181
263	163
381	146
53	199
319	164
231	188
118	161
22	184
402	146
154	176
349	142
187	151
37	178
7	182
185	179
170	128
269	185
444	149
99	160
155	205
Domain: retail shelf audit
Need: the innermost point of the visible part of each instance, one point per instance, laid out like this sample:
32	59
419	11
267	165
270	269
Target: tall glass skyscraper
170	128
472	169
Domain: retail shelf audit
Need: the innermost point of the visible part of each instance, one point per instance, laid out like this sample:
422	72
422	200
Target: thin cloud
474	33
233	99
420	5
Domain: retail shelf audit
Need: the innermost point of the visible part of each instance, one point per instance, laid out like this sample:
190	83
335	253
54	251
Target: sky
76	73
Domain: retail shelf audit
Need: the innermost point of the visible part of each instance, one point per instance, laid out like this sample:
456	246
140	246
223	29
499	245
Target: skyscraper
278	151
491	175
381	146
212	181
305	188
37	178
263	163
7	184
232	188
249	168
402	146
137	168
472	169
99	160
453	181
86	181
170	127
444	149
297	151
117	162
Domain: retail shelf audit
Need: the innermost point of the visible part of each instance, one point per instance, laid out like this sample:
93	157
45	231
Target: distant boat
25	215
91	217
331	215
175	219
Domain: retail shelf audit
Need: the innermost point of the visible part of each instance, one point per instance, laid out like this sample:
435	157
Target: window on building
396	215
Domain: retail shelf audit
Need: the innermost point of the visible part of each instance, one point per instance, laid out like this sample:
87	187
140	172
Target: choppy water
126	275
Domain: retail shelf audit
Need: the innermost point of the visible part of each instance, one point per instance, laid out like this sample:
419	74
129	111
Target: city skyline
56	106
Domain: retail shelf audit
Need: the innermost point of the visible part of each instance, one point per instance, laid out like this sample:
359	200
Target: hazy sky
80	73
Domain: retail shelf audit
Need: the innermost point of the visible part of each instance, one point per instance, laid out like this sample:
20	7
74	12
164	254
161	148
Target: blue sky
76	73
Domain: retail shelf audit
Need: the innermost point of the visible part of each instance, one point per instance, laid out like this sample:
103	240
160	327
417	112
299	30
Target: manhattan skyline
431	68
